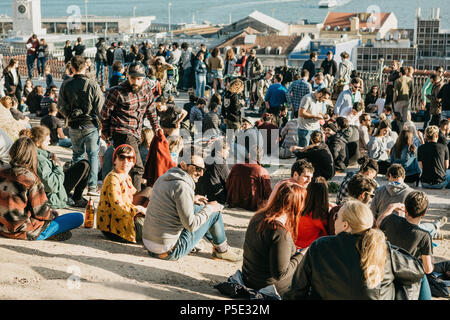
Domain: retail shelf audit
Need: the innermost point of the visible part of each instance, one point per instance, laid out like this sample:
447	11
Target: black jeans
137	171
138	226
77	176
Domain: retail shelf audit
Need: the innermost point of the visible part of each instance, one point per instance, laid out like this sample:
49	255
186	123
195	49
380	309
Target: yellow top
116	211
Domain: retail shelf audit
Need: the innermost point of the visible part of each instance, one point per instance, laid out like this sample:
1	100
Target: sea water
221	12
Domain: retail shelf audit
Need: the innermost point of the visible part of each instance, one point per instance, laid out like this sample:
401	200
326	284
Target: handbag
438	287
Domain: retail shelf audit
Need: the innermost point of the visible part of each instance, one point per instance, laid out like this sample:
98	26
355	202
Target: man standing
444	98
297	90
276	96
178	219
80	102
426	90
312	110
261	89
186	65
329	67
403	89
435	106
347	98
253	70
79	47
124	111
120	53
32	45
174	55
345	68
110	60
147	52
310	65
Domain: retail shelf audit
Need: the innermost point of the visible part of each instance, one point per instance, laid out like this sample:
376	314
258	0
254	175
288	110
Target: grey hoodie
171	208
393	192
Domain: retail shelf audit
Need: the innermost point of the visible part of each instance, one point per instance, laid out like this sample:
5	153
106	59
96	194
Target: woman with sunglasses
117	217
356	264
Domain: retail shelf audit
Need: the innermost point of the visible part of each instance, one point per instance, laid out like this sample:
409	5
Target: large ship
327	3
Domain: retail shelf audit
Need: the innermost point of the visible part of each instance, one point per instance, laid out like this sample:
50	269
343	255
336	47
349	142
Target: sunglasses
124	157
198	168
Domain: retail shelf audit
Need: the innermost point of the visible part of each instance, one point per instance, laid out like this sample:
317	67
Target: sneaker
198	247
70	202
61	236
93	192
440	222
227	255
438	236
80	203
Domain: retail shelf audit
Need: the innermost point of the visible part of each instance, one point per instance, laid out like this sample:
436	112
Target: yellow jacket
116	211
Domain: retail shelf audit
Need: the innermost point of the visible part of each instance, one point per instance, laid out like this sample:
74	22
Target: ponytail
372	247
373	251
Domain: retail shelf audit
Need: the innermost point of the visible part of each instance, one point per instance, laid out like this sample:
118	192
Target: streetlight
380	70
134	22
170	32
85	12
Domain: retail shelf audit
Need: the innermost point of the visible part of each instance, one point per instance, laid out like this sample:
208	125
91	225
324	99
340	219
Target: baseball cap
136	69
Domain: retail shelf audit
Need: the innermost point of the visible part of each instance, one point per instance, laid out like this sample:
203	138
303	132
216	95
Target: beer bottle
89	215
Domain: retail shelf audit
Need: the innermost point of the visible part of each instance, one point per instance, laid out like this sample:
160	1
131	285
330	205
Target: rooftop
267	20
366	20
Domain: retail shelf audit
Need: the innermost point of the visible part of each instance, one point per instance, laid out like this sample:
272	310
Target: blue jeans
100	66
425	291
62	224
65	143
200	81
445	184
86	141
30	64
445	114
187	78
212	229
304	137
110	72
41	65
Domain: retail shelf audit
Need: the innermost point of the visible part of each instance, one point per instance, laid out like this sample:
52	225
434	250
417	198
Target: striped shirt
124	110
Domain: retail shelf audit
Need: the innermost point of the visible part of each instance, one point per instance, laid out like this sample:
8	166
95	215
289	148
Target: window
395	56
428	30
441	41
422	30
436	30
374	68
389	57
421	41
411	57
374	57
366	57
435	42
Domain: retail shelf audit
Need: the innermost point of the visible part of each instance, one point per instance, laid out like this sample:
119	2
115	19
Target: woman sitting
34	99
11	126
404	153
314	221
58	183
117	217
377	146
270	255
357	263
25	212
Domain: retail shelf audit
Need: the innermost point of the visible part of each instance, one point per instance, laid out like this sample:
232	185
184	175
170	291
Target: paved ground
90	267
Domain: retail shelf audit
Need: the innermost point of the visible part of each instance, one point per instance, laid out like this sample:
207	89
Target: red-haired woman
314	221
270	255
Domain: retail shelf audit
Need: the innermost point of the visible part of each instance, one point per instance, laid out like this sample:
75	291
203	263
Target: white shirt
15	77
380	105
310	104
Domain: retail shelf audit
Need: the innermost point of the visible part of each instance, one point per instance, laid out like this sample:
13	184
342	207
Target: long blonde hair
372	247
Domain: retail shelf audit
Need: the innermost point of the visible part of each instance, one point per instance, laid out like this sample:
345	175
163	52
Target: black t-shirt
321	159
444	94
53	123
442	138
433	156
168	118
407	236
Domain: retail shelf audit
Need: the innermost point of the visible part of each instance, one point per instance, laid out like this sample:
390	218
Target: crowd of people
167	171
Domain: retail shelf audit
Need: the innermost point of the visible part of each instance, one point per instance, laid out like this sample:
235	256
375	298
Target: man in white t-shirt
312	110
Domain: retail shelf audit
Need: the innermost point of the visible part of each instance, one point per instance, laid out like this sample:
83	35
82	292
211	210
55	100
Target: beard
135	88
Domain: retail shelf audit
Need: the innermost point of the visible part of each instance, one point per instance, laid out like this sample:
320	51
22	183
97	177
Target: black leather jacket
331	270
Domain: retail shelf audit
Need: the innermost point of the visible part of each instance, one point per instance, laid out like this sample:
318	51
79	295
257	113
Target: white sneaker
93	192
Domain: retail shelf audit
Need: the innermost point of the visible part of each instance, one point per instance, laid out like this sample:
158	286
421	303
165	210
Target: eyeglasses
124	157
198	169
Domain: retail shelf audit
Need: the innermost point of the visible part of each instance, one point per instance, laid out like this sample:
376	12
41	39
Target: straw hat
236	86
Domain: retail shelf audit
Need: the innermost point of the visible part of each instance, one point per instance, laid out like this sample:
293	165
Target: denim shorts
216	74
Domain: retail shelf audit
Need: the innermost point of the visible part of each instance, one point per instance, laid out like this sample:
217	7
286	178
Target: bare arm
427	264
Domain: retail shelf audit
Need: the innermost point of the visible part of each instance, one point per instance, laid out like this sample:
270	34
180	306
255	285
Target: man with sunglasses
361	188
347	98
177	219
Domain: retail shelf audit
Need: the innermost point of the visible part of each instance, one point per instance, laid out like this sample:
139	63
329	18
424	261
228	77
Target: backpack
80	106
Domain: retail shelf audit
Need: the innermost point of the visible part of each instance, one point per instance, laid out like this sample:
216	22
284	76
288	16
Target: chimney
438	10
419	11
354	24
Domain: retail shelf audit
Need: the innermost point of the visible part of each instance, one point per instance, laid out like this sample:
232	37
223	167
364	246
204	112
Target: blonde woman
355	264
230	63
8	124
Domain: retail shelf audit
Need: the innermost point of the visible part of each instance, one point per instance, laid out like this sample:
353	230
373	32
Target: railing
55	61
